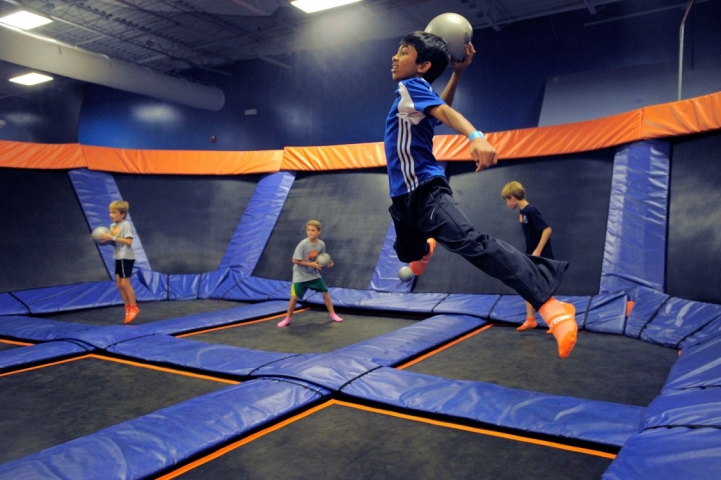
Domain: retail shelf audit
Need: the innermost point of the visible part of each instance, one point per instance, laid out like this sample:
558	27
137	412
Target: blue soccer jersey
409	137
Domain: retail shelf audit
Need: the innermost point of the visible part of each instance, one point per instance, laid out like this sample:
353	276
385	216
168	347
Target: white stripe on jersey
407	117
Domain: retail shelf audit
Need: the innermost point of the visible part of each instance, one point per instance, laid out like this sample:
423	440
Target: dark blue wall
342	96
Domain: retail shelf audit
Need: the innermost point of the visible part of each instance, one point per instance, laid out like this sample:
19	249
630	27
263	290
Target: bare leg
329	305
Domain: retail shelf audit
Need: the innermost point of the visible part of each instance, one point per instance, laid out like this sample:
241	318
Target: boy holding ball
121	234
306	272
423	208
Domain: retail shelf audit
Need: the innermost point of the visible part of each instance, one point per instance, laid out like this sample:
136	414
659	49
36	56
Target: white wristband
476	134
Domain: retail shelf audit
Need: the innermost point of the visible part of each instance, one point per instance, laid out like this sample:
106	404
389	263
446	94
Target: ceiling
174	36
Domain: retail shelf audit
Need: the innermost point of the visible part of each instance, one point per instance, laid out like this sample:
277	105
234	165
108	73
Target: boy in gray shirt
306	272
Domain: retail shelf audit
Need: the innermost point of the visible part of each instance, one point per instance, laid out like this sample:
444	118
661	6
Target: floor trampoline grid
602	367
311	331
53	403
340	439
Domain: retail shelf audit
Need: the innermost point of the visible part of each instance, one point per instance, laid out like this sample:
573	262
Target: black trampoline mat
343	442
311	331
149	312
610	368
48	406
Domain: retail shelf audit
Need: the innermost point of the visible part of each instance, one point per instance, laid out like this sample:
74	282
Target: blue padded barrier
156	442
388	301
593	421
646	305
149	285
385	276
9	305
678	319
673	454
256	224
606	314
26	356
33	329
396	347
184	287
210	281
468	304
698	366
329	370
695	408
69	297
250	289
206	357
95	191
635	249
201	321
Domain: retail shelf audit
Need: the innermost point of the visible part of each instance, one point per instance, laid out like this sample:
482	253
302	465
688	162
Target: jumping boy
535	230
306	272
423	208
121	234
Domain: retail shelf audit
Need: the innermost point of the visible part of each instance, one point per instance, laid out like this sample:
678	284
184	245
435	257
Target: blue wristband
476	134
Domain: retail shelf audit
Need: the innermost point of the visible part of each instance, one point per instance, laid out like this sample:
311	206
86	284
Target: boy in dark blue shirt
535	230
423	208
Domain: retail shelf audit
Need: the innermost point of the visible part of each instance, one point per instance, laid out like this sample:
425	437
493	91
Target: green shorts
299	289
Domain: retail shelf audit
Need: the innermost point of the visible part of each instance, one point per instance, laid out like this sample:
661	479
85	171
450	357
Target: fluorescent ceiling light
31	79
311	6
24	20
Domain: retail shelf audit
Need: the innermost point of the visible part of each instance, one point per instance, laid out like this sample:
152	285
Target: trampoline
421	380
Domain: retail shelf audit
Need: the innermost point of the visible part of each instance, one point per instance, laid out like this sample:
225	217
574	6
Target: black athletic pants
431	211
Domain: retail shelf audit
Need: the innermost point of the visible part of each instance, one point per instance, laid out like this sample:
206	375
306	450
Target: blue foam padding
10	305
250	289
206	357
329	370
44	352
103	337
142	447
673	454
511	308
396	347
34	329
200	321
697	367
695	408
70	297
209	281
635	249
467	304
184	287
370	300
646	304
256	224
606	313
149	286
385	275
678	319
95	191
566	417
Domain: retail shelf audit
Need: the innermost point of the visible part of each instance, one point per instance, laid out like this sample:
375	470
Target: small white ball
406	274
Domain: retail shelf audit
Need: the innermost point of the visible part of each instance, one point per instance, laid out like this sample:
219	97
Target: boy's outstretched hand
460	67
483	153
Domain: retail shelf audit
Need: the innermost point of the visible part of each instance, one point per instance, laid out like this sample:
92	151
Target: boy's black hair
430	48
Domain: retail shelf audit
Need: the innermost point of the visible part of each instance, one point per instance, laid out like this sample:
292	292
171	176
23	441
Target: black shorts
124	268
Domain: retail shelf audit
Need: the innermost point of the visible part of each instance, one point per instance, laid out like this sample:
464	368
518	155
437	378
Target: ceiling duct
28	50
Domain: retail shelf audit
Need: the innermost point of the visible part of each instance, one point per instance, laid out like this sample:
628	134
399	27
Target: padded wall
353	208
694	235
46	240
572	192
186	222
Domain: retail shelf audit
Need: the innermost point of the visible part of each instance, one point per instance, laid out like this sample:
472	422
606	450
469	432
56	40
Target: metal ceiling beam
22	48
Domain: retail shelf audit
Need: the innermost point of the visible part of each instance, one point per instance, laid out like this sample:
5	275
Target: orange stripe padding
695	115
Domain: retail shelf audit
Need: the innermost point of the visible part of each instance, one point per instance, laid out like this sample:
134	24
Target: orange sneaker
561	323
527	325
131	313
419	266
